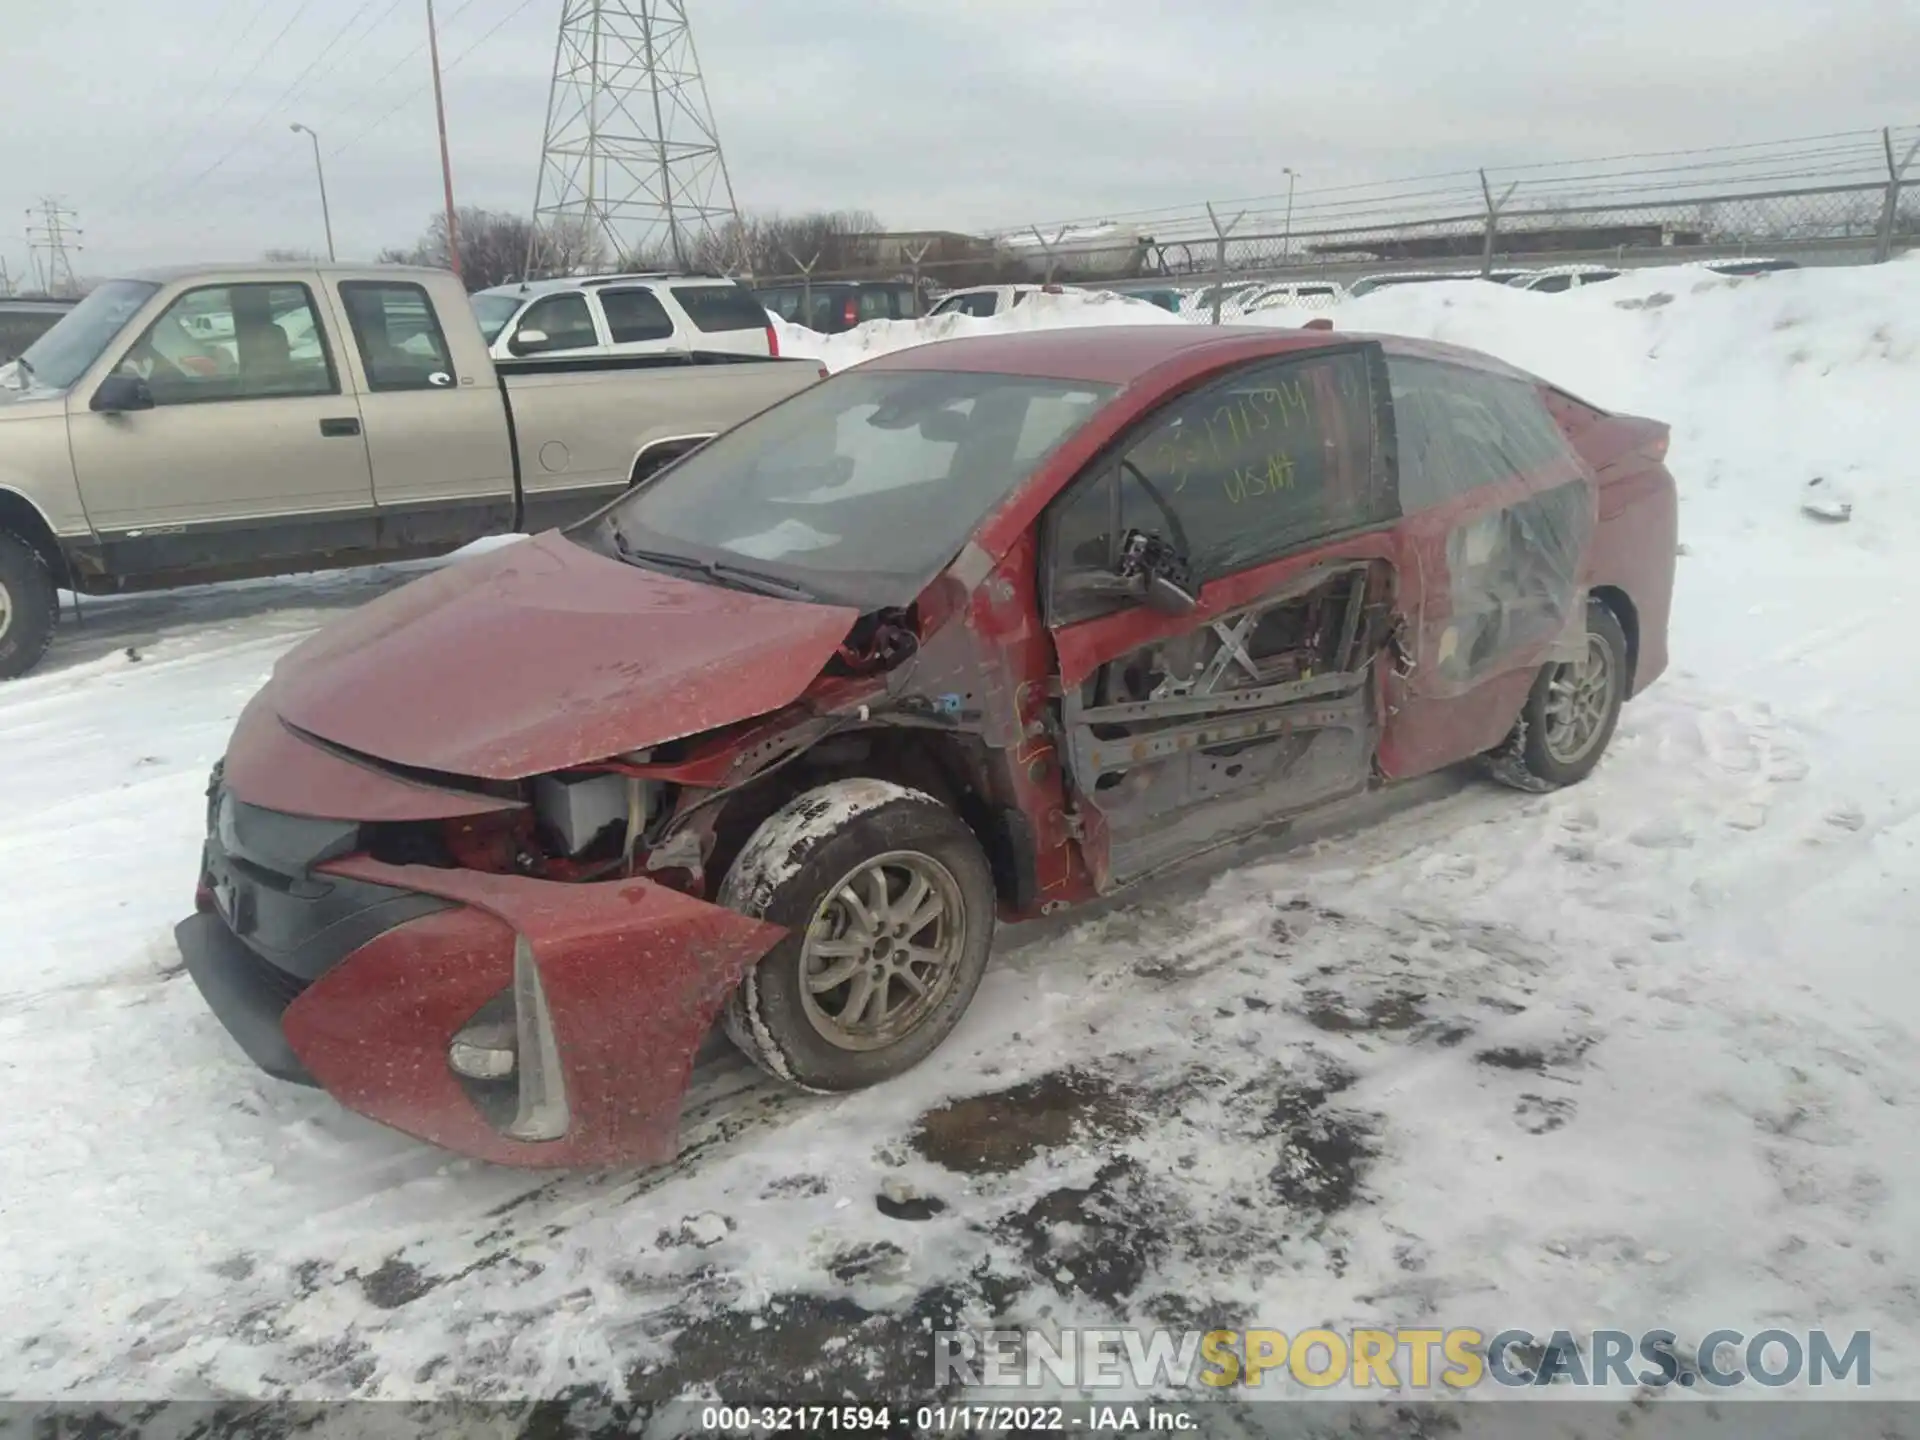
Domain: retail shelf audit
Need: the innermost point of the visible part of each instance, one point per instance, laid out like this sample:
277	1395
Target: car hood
29	404
543	655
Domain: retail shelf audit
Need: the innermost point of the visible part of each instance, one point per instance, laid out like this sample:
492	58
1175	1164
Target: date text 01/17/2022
946	1419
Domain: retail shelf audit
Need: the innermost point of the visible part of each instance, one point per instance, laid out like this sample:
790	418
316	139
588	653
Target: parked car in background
976	630
24	320
1165	297
639	314
1744	266
1500	275
984	301
1293	294
1561	278
840	305
353	416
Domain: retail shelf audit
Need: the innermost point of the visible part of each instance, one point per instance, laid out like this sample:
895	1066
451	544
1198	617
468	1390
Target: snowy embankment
1639	1054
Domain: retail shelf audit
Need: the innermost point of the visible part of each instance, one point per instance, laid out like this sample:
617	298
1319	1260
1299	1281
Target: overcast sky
165	125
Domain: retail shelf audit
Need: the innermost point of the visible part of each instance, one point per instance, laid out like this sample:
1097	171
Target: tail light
1657	447
823	372
773	341
851	312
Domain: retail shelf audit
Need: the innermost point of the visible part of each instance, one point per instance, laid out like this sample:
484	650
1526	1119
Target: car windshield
859	489
66	352
493	312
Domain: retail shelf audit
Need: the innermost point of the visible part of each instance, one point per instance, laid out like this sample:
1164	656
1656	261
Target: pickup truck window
564	320
399	337
234	342
67	351
632	316
721	307
860	488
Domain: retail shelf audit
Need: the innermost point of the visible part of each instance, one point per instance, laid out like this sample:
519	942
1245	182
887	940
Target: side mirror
525	342
120	393
1158	574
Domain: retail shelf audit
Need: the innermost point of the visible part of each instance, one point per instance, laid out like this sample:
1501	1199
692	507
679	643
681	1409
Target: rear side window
636	315
1460	429
399	337
878	305
716	308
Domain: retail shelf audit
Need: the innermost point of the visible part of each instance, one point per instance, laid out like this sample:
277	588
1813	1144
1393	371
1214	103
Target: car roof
268	269
1123	354
581	282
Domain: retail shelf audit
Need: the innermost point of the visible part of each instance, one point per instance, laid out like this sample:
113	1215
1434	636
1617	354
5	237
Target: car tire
893	993
1570	714
28	607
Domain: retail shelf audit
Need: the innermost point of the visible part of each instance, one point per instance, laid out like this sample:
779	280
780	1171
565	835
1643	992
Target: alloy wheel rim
882	950
6	610
1579	695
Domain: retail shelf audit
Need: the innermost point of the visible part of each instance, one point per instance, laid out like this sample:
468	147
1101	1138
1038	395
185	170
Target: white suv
641	314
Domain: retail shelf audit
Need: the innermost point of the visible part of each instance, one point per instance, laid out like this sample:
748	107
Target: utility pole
6	280
1287	245
446	159
52	244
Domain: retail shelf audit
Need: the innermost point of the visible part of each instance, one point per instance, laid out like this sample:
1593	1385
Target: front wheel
1570	713
27	607
890	907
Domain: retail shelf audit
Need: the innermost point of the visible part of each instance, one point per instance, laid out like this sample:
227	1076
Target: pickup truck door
1500	516
253	440
436	418
1183	732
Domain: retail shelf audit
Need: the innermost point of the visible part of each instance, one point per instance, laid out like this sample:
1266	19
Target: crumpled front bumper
633	976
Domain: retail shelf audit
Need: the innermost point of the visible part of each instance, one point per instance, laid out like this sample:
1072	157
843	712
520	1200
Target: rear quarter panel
582	430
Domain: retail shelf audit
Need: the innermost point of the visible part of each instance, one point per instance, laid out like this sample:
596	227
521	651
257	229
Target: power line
163	143
147	191
280	99
409	99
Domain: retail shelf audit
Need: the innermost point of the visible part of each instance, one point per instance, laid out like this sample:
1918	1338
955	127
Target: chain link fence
1842	199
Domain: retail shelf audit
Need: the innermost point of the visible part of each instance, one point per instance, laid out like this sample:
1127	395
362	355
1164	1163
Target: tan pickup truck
210	424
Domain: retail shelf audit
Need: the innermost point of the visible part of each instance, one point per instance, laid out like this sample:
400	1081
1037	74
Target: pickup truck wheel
27	607
890	904
1570	713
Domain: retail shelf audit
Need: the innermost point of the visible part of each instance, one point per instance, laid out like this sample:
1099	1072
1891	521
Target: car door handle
340	425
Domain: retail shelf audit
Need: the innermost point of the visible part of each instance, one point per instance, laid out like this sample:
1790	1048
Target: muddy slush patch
1329	1012
1000	1131
1097	1240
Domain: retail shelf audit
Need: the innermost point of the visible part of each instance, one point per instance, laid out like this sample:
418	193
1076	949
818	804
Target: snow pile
1768	381
1039	311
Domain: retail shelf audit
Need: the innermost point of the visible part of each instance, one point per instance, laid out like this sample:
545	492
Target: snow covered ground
1641	1054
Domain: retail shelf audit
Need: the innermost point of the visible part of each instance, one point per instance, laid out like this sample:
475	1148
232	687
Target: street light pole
1287	253
326	215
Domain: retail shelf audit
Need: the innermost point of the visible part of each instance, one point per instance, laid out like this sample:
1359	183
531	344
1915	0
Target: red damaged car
972	632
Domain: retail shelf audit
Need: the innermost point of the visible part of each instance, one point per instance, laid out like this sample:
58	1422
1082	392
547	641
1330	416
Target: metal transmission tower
631	159
49	245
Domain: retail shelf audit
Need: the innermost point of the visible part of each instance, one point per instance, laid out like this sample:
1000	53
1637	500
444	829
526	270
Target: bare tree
494	247
289	257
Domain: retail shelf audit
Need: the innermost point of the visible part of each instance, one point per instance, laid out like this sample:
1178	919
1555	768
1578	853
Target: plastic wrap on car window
1514	575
